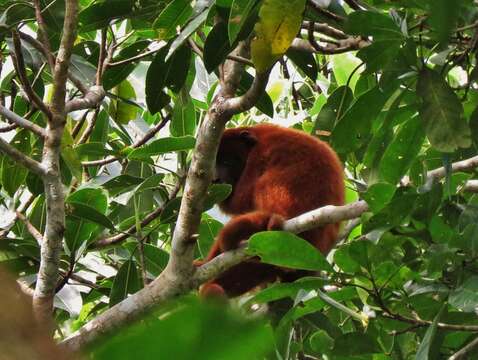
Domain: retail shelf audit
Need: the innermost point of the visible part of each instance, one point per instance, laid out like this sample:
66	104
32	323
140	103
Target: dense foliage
391	85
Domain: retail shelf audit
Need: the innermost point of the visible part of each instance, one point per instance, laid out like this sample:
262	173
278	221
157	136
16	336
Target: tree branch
149	135
325	12
22	159
466	351
177	278
115	239
23	123
54	197
326	29
22	75
91	99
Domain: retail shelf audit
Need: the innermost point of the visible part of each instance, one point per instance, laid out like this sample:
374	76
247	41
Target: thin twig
20	68
22	159
21	122
115	239
325	12
30	227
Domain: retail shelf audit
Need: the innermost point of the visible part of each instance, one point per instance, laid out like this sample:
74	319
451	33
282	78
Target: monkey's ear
249	139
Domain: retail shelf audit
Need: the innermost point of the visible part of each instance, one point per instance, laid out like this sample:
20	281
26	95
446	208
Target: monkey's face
232	156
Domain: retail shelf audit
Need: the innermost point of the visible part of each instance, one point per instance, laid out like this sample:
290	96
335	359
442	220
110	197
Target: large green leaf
286	249
402	151
126	282
186	32
442	113
240	10
14	175
79	224
337	104
100	13
175	14
165	336
184	116
353	130
216	47
163	73
465	297
162	146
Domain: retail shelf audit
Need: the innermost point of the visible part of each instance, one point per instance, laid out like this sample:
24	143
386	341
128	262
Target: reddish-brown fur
277	174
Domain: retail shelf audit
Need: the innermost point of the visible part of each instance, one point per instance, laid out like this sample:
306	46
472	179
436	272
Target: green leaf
215	194
126	282
288	250
155	259
402	204
321	342
162	146
14	175
175	14
402	151
121	183
121	111
426	346
354	343
94	149
379	54
443	18
85	212
264	103
79	226
184	116
335	107
239	337
282	290
465	297
305	62
240	10
442	113
70	156
353	130
162	73
208	230
369	23
216	47
114	75
378	195
186	32
100	13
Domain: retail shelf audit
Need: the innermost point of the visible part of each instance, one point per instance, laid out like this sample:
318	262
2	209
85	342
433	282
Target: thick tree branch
326	29
21	122
245	102
325	215
22	159
54	197
91	99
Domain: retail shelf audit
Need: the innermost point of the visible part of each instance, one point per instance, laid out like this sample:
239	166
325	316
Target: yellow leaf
279	23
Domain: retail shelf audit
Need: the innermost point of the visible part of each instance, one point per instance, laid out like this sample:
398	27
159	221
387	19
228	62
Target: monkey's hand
241	227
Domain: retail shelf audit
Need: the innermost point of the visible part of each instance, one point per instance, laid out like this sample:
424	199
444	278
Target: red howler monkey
276	174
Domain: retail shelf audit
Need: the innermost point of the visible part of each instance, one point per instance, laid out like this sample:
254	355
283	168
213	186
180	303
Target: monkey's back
293	173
